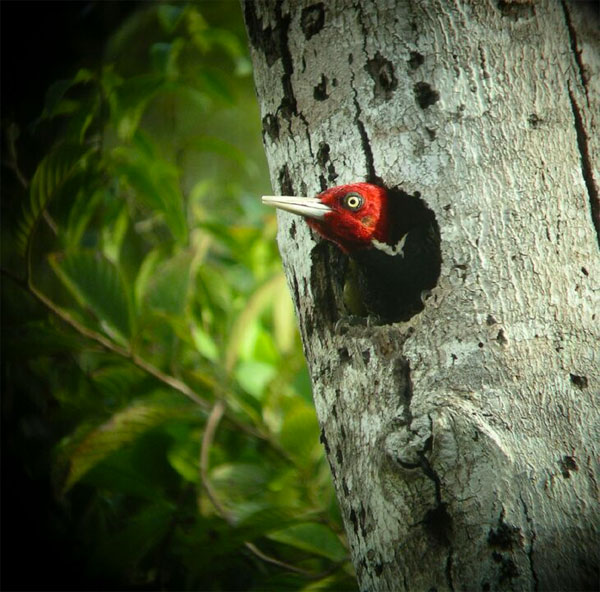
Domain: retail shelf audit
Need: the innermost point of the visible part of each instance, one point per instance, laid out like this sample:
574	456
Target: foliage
156	293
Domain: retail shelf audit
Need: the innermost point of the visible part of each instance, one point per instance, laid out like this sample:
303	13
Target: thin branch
210	428
13	162
216	414
117	349
132	357
212	423
106	343
50	221
268	559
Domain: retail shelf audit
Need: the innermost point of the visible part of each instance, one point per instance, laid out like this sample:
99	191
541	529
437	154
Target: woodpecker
392	240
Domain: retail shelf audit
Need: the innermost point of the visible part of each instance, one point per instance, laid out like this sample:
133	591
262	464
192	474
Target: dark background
41	42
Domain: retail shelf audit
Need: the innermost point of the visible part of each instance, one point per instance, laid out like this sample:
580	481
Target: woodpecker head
352	216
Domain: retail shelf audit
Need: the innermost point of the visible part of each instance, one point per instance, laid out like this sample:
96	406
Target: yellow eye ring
353	201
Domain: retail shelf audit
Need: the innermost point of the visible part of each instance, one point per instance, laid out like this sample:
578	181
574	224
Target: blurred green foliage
151	359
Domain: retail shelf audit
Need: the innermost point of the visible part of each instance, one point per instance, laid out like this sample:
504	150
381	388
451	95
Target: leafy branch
212	424
173	280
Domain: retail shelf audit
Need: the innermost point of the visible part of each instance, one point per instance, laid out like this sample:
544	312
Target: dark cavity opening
395	288
426	95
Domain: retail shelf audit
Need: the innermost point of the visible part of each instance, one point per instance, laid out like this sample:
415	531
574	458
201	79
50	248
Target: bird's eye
353	201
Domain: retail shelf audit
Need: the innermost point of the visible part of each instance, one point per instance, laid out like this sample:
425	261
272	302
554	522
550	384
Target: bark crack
437	521
449	570
574	48
427	468
364	137
586	164
531	543
289	104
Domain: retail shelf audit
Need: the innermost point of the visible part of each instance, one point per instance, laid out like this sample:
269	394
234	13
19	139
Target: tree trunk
464	442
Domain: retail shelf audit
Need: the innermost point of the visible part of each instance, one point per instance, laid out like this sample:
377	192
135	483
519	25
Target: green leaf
284	321
261	298
80	214
213	81
165	58
204	343
144	275
254	376
49	177
118	380
300	434
183	457
129	99
220	147
123	428
155	182
168	287
55	103
226	40
114	234
169	16
197	28
97	284
241	478
266	520
312	537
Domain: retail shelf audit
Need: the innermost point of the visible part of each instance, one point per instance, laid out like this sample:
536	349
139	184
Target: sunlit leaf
263	349
254	376
184	457
243	66
336	581
213	294
114	234
312	537
50	175
204	343
97	284
255	306
300	434
224	39
284	320
197	27
144	274
239	477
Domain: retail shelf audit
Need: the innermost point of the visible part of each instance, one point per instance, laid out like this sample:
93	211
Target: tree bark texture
464	442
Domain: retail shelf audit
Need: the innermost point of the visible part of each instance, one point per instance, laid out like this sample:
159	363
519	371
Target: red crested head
358	215
351	216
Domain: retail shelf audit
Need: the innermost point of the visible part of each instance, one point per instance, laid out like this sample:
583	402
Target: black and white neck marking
391	250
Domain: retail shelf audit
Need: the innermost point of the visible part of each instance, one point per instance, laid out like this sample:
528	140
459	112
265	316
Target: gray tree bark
463	443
